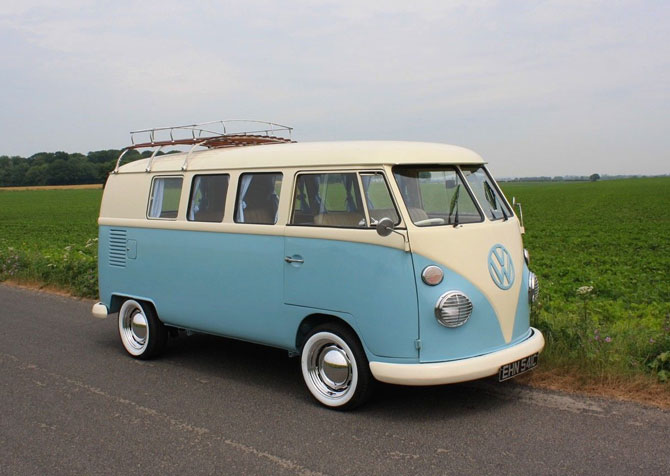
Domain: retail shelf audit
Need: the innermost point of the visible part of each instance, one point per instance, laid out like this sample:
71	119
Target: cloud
507	78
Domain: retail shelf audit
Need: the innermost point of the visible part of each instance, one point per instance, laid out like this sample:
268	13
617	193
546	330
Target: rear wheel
143	335
335	368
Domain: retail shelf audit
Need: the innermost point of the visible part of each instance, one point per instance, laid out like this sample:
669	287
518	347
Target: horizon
500	178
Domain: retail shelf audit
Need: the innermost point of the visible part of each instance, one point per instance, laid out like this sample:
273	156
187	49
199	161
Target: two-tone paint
235	280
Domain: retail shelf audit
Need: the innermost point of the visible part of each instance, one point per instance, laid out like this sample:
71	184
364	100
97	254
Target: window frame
151	193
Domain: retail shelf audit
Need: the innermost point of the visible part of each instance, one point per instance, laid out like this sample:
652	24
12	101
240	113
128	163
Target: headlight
533	287
453	309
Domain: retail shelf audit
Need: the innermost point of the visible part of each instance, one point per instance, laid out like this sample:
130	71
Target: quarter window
378	198
208	198
164	199
258	198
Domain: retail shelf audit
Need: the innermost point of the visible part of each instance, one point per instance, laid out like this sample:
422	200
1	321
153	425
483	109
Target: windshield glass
436	195
487	193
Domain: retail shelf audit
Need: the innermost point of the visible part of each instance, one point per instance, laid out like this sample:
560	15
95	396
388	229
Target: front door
336	262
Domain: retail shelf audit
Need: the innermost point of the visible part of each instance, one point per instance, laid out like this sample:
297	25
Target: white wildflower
584	290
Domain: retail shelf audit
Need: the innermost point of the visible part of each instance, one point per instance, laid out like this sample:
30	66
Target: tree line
62	168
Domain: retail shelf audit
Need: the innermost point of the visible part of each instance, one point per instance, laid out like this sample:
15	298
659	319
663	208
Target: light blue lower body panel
482	333
224	284
239	286
374	284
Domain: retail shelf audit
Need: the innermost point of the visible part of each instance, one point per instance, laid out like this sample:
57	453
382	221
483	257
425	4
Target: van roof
311	154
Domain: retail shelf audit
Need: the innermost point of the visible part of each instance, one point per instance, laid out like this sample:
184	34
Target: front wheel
142	333
335	368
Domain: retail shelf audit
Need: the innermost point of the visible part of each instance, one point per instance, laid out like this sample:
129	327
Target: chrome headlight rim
463	307
432	275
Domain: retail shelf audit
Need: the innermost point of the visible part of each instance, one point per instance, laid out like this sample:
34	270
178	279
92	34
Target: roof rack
213	135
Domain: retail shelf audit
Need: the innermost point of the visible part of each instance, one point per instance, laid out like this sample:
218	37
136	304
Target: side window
378	198
258	198
164	198
208	198
332	199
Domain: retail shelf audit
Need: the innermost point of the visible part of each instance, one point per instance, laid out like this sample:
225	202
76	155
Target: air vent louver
117	248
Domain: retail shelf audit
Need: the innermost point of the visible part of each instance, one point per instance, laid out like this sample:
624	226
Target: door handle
288	259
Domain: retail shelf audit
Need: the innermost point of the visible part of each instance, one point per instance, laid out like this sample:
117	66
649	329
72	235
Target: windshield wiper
454	203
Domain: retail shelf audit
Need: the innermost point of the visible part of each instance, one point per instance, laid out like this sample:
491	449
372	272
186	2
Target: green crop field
612	240
50	236
601	251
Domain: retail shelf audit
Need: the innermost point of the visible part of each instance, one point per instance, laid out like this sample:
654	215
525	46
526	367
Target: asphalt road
73	402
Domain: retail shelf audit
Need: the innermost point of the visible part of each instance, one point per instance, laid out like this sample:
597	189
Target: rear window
164	197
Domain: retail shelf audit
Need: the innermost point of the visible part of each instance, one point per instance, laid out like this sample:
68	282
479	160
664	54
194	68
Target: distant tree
17	172
100	156
37	175
594	177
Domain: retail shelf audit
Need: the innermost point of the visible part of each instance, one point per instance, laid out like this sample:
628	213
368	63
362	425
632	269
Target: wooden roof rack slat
213	135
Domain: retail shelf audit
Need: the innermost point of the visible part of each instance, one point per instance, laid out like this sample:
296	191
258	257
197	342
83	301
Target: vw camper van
398	262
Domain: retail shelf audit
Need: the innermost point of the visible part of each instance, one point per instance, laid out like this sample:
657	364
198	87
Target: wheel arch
118	300
317	319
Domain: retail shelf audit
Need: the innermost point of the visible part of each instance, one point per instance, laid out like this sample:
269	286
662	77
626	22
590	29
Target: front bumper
438	373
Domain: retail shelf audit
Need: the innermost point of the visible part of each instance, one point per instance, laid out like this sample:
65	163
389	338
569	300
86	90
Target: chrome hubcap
138	327
330	369
133	327
334	368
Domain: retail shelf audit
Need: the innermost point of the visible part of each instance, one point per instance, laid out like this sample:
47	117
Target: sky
536	87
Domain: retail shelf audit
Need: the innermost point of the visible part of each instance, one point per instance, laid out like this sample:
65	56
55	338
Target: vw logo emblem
501	267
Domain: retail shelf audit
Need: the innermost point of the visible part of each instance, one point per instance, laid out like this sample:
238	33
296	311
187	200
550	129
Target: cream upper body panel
310	154
127	192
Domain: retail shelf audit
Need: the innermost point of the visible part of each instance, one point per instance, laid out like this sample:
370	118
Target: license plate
513	369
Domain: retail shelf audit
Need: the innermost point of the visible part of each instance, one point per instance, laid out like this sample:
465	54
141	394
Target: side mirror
385	227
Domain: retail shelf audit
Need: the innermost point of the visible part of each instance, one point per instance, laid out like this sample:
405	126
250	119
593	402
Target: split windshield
436	195
489	197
